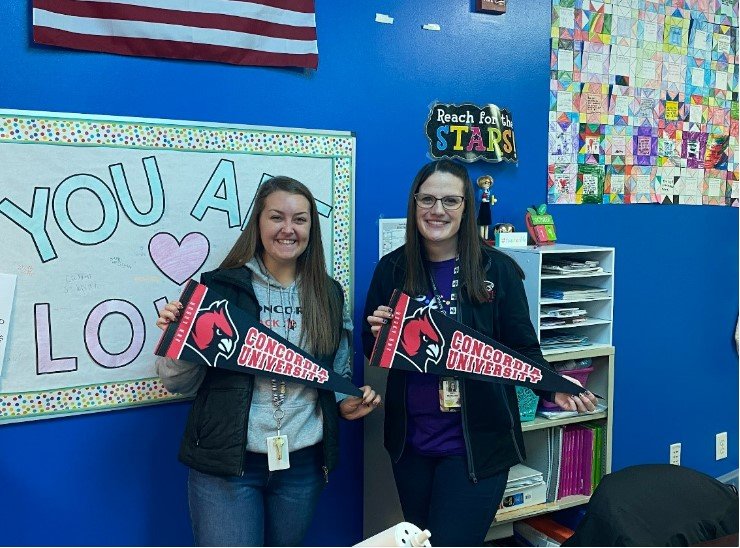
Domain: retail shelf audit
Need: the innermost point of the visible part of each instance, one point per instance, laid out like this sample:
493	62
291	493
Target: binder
566	466
587	453
577	443
595	455
540	457
555	442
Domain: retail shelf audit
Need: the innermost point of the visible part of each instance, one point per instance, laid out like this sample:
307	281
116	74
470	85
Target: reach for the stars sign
469	133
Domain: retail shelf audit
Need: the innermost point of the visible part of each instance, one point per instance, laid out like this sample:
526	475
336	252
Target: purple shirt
432	432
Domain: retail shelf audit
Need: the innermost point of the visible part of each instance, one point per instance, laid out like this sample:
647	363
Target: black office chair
658	505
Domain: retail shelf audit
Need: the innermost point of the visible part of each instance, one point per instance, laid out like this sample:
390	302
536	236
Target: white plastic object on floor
403	534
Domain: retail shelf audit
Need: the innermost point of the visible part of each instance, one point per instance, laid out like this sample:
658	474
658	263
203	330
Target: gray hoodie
280	310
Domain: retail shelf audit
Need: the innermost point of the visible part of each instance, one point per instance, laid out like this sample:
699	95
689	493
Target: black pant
436	494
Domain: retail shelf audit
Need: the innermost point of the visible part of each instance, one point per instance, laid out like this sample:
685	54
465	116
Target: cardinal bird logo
214	334
421	341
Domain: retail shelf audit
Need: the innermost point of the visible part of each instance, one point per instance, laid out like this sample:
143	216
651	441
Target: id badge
278	456
449	394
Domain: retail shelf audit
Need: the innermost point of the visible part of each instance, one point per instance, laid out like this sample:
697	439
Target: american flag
256	32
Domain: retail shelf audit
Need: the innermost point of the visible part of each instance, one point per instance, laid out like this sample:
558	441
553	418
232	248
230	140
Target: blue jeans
436	494
260	508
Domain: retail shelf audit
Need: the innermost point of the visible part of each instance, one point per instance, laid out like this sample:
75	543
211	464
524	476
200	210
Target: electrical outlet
720	446
675	455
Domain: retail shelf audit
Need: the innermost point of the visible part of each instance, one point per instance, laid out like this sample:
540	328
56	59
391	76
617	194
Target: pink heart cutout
179	261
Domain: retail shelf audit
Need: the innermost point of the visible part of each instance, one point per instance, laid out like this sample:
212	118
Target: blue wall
112	478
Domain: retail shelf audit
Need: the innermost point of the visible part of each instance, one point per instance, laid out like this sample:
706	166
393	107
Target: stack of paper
525	487
569	291
558	340
569	266
554	315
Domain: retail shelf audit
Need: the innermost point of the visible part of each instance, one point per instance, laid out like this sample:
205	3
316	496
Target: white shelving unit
598	328
598	325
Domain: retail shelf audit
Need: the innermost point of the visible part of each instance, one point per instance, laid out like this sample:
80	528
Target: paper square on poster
702	40
724	43
595	63
691	186
564	101
593	103
673	72
621	26
7	293
642	184
668	177
622	105
647	69
671	110
720	80
619	147
566	17
620	64
689	183
713	186
590	183
565	60
650	31
697	77
616	181
695	113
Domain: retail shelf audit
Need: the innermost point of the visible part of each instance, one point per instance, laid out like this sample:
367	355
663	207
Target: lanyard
453	293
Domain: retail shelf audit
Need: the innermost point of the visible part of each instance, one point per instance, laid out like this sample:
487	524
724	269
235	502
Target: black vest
215	438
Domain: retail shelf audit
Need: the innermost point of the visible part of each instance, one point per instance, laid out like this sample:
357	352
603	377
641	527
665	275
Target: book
548	526
529	536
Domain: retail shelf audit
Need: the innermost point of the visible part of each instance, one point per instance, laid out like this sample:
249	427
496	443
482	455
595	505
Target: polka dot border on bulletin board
142	134
98	397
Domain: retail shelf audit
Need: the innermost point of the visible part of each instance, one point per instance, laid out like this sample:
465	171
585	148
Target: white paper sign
511	239
7	292
391	235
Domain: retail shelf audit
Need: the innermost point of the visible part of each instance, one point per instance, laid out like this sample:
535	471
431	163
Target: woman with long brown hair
452	441
276	272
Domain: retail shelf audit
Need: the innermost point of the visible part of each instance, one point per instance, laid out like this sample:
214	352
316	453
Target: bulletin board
644	102
104	219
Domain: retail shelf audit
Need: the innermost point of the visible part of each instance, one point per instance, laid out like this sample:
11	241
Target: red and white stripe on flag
279	33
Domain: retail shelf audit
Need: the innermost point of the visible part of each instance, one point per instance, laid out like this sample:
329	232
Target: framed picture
491	6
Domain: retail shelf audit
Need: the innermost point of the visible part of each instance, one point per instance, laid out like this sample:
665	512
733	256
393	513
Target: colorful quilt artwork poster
644	102
106	219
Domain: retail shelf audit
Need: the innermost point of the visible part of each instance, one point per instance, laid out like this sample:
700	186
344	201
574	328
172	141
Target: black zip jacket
215	438
490	412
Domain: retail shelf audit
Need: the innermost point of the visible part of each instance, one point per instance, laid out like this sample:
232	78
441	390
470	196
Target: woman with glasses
453	440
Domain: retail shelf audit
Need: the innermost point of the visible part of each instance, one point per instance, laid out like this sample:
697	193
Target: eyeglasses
427	201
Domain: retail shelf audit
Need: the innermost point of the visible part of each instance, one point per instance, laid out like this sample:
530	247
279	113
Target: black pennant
421	339
211	331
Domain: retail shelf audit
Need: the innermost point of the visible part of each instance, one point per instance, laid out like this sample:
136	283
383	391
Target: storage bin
581	375
527	403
